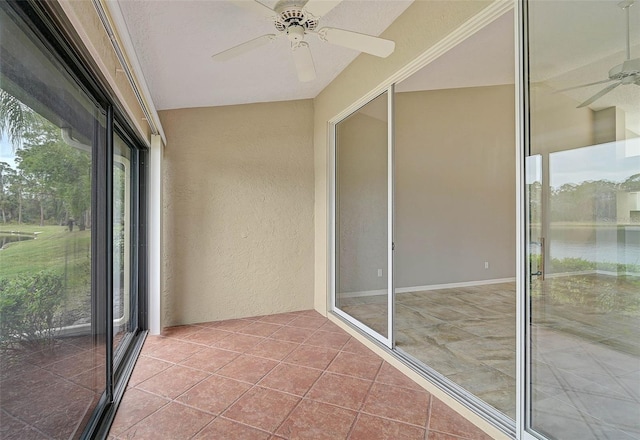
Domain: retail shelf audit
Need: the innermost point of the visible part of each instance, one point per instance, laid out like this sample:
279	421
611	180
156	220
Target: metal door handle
542	254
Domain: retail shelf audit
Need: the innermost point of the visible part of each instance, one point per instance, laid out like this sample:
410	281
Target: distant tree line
590	201
51	183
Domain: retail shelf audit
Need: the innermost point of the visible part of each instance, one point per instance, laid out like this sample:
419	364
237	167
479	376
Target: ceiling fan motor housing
297	18
291	13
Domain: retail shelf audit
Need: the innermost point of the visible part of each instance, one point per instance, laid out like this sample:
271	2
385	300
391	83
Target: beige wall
455	186
238	211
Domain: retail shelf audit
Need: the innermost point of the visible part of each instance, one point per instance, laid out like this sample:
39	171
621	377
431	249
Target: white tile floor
586	348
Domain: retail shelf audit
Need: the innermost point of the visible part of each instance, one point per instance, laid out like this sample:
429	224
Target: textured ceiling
175	39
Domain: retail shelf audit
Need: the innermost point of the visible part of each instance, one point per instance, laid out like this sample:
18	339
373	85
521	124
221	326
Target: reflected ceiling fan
623	74
296	19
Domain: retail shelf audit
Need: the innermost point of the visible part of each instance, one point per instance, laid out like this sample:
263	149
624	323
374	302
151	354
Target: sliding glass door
516	293
363	279
70	229
583	223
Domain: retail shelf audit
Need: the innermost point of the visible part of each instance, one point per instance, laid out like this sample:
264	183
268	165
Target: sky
614	161
6	152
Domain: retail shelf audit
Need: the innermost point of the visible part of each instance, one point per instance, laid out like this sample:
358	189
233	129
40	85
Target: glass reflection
52	355
585	302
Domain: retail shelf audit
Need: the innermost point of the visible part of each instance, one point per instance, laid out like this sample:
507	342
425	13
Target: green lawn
55	249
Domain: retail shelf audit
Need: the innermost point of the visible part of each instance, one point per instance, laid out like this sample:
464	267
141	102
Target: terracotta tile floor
287	376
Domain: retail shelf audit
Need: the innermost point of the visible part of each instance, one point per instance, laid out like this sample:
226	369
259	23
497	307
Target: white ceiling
174	41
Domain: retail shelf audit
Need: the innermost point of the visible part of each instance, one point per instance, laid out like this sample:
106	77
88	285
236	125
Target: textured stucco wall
238	211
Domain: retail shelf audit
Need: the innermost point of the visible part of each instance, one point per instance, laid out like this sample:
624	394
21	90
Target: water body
10	238
608	244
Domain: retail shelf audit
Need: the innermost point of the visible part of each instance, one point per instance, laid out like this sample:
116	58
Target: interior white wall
455	186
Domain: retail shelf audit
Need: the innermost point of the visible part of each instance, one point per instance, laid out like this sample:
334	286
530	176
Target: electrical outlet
380	272
486	265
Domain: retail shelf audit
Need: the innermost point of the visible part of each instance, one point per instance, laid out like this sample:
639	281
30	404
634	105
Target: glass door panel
52	338
455	290
583	283
362	216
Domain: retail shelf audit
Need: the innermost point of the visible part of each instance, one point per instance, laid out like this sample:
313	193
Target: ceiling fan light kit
296	19
623	74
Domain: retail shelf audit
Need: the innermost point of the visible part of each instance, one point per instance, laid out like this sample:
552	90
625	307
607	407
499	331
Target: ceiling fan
623	74
296	19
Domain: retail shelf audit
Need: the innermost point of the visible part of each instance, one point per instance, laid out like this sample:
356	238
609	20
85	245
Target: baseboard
454	285
363	293
429	287
473	283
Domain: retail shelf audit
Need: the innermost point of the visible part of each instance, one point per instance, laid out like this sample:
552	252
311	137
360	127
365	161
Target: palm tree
12	118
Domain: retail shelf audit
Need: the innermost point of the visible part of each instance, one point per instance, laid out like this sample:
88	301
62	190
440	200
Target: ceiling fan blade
361	42
257	7
304	62
600	94
318	8
584	85
243	48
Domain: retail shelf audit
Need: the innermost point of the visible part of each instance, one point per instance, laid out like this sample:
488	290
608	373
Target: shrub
29	311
